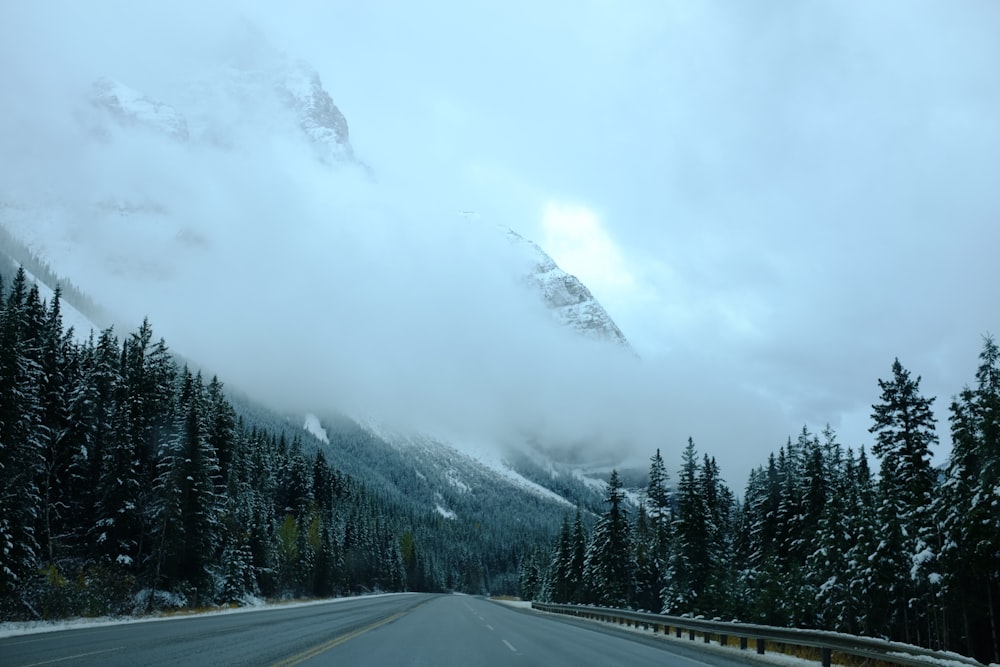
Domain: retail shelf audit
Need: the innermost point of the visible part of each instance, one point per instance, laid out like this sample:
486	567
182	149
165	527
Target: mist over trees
818	541
128	482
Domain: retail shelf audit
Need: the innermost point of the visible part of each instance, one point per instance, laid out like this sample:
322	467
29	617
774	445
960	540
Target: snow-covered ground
82	327
11	629
446	513
313	426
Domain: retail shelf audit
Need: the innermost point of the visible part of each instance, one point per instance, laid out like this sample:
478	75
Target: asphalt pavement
395	630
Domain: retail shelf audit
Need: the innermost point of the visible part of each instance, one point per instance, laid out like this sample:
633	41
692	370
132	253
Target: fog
771	202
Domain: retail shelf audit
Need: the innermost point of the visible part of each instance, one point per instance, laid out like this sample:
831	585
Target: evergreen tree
904	432
608	562
717	594
561	565
21	461
578	552
967	511
53	359
689	558
826	565
653	537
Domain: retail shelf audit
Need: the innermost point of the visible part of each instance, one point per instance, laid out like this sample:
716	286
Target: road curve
397	630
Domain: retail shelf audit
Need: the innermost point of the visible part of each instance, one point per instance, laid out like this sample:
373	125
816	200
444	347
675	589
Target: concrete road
392	631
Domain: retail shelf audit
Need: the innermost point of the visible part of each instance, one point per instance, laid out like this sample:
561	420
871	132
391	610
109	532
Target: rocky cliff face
319	118
570	301
129	108
292	92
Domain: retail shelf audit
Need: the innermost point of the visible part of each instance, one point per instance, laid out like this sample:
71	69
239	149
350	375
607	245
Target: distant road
393	631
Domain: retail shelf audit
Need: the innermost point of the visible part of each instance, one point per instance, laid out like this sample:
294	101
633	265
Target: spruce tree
561	565
968	513
904	433
21	461
608	563
651	574
580	592
689	559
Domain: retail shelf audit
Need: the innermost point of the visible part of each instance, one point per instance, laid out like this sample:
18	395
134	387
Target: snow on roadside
522	604
14	629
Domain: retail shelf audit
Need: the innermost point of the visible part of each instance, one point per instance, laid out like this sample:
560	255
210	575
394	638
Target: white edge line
74	657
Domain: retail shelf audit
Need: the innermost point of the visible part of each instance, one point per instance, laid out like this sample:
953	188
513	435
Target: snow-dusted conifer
904	432
608	562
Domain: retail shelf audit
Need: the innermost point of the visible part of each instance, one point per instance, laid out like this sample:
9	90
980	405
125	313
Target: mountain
222	118
291	92
570	301
124	106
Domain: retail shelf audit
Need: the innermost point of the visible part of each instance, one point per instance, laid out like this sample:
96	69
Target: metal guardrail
827	642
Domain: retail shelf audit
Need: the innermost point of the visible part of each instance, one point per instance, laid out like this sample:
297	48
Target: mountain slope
263	156
570	301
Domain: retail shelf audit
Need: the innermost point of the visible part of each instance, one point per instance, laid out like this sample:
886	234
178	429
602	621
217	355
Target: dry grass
804	652
816	655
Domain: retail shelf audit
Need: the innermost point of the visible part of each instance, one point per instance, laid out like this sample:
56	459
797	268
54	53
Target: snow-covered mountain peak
569	299
130	108
320	119
229	107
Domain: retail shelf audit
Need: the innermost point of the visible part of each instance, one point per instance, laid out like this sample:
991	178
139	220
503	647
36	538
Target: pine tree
608	563
968	514
220	424
904	432
54	360
578	549
759	578
688	570
21	462
826	565
654	538
720	574
561	564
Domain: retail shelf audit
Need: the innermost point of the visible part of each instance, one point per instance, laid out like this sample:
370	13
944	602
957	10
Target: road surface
396	630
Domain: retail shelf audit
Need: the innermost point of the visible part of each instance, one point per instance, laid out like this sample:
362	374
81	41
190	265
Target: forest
128	484
818	540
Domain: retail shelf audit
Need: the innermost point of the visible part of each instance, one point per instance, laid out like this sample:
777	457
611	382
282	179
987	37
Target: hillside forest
911	553
129	483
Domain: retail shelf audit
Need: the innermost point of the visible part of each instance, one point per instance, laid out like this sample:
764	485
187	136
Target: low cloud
788	198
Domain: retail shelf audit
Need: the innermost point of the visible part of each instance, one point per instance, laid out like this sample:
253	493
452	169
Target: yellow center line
311	653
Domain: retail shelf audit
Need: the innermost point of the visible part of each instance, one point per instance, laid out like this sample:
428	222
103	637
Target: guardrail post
846	645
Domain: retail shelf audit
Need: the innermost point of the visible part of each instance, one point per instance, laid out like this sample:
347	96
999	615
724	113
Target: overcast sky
772	200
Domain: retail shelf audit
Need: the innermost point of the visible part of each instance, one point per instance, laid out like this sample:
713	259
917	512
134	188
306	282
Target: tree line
818	540
128	482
